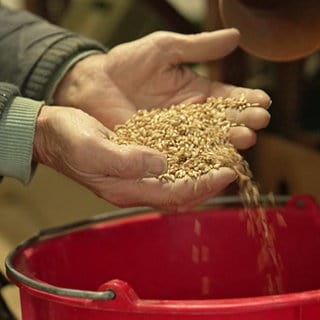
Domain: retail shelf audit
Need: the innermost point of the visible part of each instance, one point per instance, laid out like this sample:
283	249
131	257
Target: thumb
206	46
130	162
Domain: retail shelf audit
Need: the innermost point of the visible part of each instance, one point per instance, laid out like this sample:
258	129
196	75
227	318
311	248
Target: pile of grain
194	138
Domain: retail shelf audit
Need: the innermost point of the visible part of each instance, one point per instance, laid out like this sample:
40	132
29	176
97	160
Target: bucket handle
60	291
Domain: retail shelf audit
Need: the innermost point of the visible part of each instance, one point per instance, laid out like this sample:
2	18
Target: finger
253	117
205	187
211	192
252	96
201	47
134	162
219	89
168	196
242	137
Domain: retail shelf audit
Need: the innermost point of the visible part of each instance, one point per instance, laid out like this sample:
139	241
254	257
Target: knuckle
164	39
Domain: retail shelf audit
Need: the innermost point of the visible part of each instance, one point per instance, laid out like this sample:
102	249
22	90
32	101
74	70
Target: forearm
35	54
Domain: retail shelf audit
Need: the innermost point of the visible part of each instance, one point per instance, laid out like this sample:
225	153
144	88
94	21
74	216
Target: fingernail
156	165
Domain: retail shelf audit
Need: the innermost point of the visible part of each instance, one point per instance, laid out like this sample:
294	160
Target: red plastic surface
198	265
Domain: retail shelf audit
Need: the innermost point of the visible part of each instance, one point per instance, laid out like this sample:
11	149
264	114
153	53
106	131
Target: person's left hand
151	72
78	145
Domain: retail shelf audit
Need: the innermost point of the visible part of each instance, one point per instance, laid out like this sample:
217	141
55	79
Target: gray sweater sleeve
34	52
34	55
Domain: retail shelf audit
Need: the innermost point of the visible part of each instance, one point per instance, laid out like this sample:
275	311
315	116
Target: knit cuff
7	93
17	127
50	66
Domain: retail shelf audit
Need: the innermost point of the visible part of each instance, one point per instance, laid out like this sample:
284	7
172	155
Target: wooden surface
282	165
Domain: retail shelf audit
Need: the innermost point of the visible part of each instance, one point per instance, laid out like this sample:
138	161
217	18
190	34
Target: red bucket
137	264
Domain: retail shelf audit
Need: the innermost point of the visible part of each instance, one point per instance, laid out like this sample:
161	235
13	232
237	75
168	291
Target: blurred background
286	159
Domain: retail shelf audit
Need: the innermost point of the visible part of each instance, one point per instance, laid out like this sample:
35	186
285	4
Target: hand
150	72
77	145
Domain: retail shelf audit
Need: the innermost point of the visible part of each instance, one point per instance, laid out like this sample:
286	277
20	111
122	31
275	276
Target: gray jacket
34	56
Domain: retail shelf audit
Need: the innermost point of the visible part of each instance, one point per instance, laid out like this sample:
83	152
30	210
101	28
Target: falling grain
197	227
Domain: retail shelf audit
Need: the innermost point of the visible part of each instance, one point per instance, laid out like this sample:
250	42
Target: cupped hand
152	72
77	145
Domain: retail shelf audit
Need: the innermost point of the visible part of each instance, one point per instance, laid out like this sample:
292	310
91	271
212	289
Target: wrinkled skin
110	87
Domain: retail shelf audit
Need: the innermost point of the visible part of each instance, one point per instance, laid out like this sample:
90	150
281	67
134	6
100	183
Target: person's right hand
77	145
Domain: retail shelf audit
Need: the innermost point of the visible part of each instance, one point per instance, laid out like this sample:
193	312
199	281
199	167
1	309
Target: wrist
71	86
63	71
39	137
